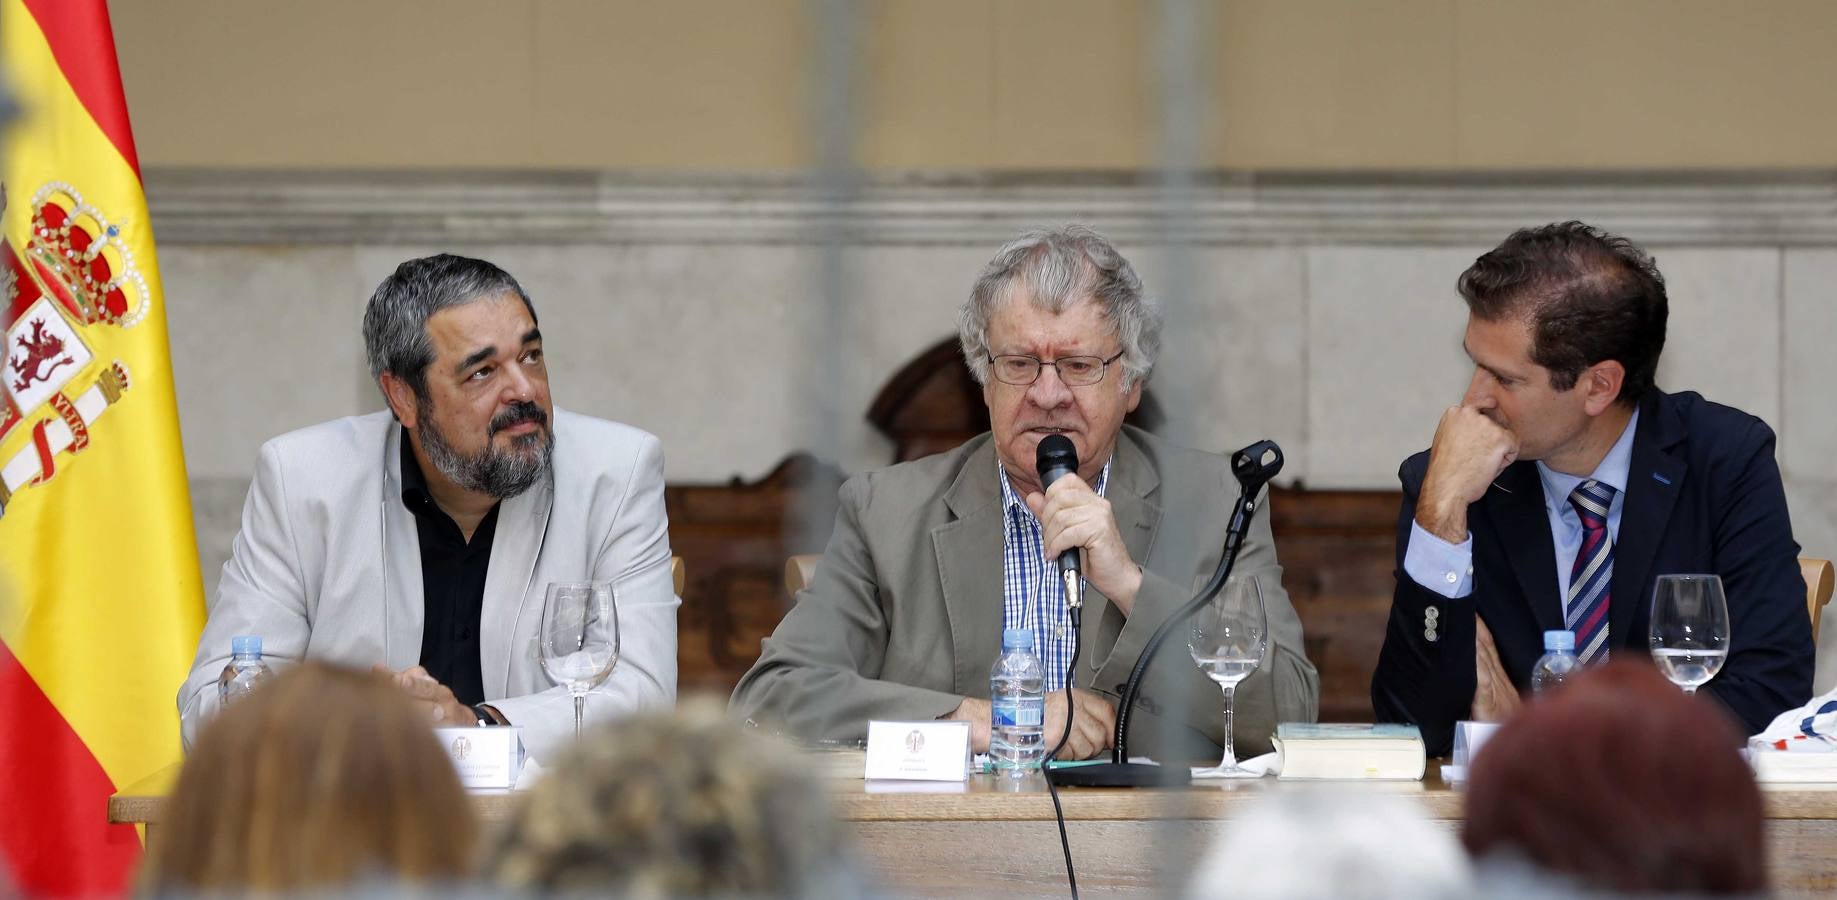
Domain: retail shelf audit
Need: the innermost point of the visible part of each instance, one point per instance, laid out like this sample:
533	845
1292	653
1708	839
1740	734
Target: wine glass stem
1230	760
1689	690
580	704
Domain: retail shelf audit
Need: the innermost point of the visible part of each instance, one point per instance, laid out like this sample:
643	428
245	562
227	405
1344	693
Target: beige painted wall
714	85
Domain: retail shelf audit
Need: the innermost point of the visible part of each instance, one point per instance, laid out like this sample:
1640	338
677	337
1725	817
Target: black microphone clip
1253	466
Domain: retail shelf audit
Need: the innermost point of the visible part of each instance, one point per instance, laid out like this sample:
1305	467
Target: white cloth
1254	767
328	566
1811	728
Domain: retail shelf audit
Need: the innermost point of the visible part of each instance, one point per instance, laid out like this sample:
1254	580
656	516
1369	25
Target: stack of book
1796	760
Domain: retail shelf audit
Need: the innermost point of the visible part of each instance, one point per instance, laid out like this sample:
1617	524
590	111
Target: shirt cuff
1446	569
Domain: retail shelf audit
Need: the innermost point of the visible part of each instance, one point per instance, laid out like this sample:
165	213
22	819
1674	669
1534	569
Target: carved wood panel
734	539
1338	551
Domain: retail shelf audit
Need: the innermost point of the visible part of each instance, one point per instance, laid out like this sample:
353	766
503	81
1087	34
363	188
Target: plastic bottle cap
1559	640
246	645
1016	639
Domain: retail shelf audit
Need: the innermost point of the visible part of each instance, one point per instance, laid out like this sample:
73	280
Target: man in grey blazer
930	560
421	540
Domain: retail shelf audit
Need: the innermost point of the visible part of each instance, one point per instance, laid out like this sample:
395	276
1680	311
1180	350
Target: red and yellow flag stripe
100	597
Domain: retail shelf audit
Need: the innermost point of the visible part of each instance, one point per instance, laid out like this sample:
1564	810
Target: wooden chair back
1818	582
799	570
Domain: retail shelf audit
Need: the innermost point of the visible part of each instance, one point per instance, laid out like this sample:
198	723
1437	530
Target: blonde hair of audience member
325	778
1356	845
683	804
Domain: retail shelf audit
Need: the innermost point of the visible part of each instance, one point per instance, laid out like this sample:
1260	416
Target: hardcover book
1350	751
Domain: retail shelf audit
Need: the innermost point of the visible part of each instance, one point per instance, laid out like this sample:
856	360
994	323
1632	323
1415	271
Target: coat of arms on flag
75	273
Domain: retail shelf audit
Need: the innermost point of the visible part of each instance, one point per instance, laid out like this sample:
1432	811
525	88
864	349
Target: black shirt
452	585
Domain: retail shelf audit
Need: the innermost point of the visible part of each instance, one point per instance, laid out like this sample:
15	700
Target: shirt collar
1612	471
1010	499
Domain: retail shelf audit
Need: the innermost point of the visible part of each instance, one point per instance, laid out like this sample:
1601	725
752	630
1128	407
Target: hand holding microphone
1083	720
1073	518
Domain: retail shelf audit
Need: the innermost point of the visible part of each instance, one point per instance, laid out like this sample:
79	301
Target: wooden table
991	836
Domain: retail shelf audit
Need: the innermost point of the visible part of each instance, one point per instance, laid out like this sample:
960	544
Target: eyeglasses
1074	371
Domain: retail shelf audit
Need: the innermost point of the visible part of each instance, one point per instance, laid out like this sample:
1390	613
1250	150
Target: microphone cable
1058	812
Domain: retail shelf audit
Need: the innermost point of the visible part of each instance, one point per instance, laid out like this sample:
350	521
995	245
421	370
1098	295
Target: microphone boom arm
1253	466
1234	541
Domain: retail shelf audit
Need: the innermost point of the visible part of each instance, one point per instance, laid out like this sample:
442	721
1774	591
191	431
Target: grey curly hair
682	803
1062	267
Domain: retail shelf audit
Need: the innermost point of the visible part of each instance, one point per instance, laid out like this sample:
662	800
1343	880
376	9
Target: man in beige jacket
931	560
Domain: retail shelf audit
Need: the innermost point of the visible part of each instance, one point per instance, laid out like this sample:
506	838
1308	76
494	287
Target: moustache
516	414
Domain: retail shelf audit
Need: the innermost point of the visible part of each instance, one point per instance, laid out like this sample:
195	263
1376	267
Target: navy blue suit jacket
1703	496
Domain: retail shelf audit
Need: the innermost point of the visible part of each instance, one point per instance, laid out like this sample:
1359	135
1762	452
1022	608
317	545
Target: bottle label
1018	712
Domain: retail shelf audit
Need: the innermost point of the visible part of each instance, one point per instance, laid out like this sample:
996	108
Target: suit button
1428	634
1432	613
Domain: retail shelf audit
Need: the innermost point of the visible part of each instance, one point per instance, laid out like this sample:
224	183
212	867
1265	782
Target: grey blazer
328	566
903	617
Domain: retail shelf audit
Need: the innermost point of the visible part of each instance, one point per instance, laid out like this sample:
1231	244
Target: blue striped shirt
1033	597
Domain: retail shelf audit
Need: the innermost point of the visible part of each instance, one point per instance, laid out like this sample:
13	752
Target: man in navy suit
1564	483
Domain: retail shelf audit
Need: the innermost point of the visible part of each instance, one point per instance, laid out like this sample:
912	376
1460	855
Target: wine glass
1689	629
580	637
1229	637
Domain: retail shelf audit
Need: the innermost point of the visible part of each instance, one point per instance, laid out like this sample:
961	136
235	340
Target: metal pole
836	185
1186	394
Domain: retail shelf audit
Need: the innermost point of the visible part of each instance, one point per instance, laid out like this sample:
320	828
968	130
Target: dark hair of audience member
675	804
1588	295
326	778
1622	782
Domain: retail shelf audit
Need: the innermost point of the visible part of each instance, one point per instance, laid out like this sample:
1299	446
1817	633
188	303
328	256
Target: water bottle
1558	662
246	671
1017	704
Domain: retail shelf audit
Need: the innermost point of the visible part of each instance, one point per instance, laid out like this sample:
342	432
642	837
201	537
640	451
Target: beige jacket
903	617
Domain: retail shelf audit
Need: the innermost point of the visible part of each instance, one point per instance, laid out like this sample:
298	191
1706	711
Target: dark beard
497	473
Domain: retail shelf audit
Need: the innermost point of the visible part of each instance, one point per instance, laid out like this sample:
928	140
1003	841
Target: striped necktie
1585	610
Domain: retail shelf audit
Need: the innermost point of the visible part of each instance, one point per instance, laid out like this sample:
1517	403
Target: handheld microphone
1056	458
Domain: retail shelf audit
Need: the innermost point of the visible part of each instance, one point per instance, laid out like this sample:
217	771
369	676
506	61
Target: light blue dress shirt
1447	569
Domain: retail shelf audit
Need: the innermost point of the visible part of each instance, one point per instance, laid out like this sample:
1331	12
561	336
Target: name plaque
485	758
918	751
1468	738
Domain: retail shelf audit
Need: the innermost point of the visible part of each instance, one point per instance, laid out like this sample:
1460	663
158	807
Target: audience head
325	778
1064	296
453	343
674	804
1332	845
1622	782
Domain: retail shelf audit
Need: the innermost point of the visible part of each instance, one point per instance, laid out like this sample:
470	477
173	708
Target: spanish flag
100	599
